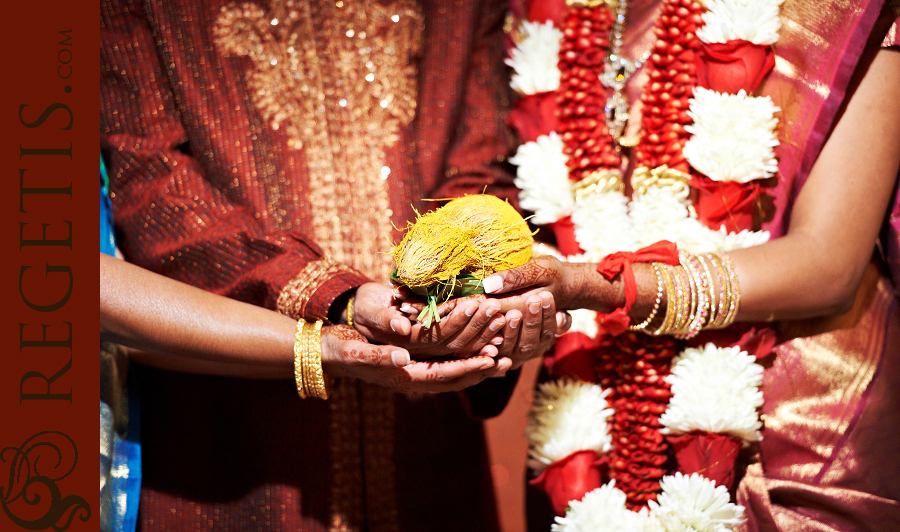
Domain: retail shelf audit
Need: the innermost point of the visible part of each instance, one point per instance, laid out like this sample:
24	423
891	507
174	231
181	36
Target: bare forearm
190	329
817	267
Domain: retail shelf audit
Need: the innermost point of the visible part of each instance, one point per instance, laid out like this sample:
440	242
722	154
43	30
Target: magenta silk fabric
820	45
827	459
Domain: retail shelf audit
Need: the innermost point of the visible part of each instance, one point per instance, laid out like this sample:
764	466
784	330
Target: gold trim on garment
297	293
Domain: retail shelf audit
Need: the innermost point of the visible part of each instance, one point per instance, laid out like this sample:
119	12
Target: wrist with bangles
693	292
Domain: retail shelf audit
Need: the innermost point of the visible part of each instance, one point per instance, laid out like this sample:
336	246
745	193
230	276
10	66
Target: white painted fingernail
392	326
492	284
399	358
497	340
470	310
491	311
495	325
513	323
406	307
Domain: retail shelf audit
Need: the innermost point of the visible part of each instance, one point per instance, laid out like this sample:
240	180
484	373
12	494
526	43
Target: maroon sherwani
266	150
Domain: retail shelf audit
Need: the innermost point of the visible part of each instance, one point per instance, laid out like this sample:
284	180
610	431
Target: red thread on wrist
617	321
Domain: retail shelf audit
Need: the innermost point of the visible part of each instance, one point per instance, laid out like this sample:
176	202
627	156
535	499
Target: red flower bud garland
634	366
580	97
672	76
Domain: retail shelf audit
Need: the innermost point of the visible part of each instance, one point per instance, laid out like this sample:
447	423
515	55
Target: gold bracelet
713	301
684	288
699	295
350	310
659	292
724	291
671	302
735	287
298	359
316	384
308	373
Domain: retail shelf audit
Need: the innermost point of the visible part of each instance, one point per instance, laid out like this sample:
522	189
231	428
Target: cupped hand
346	353
531	330
467	326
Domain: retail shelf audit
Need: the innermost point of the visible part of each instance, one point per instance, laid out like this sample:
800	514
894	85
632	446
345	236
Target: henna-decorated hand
529	331
467	326
573	285
346	353
542	273
539	327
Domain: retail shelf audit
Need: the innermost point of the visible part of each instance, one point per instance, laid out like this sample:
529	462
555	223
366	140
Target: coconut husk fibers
476	235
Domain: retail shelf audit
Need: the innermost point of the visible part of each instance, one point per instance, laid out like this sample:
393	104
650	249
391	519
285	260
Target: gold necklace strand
617	70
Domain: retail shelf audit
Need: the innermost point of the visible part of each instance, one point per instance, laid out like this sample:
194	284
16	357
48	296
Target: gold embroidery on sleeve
296	294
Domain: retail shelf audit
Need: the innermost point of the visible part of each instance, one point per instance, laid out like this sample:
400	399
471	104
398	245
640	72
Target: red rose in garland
733	66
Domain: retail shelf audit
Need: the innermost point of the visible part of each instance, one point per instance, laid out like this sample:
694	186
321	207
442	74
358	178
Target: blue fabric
123	486
125	471
107	235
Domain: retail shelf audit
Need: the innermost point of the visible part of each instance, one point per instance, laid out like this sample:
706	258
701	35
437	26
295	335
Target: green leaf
459	286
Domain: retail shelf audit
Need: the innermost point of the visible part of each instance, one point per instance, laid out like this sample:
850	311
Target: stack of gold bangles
308	360
702	292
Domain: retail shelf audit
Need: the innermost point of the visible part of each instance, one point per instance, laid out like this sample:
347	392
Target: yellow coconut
478	235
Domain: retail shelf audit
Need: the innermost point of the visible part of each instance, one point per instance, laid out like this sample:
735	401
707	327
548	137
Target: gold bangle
713	301
350	310
724	291
735	287
671	302
308	373
316	383
659	291
684	289
298	359
703	296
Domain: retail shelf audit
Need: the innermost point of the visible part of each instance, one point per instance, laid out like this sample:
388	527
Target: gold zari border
297	293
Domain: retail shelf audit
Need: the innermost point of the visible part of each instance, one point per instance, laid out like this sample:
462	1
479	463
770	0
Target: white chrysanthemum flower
694	504
584	321
603	510
566	417
749	20
543	179
733	136
744	239
535	60
715	389
694	237
659	214
602	225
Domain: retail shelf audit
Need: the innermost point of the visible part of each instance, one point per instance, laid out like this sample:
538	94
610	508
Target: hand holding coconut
447	253
346	353
465	329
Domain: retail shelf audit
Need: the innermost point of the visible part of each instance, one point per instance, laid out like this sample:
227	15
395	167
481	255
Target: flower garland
703	136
